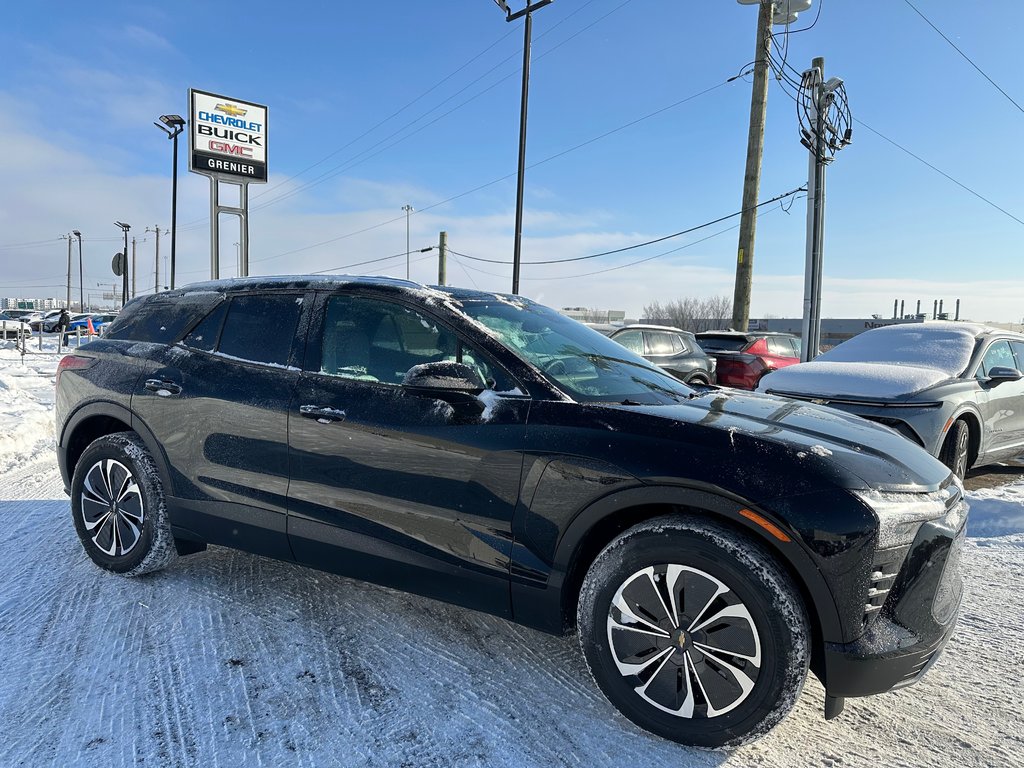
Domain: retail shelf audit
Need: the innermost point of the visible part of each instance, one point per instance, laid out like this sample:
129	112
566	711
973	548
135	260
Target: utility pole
408	209
824	103
523	104
815	76
156	272
133	268
442	258
752	174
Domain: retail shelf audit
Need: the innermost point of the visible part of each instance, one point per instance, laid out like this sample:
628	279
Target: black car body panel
496	501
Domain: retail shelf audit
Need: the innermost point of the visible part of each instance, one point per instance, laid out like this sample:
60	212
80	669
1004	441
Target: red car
743	358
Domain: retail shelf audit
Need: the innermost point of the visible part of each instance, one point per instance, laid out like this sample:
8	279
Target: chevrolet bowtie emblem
231	109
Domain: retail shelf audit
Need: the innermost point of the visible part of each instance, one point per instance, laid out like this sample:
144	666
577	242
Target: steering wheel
556	368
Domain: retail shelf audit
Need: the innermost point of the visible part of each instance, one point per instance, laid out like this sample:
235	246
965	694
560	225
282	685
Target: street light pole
524	102
408	209
173	125
81	288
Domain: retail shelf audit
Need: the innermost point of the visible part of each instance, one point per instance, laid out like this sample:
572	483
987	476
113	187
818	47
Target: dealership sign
228	138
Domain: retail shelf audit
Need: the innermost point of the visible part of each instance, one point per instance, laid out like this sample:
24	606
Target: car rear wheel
694	632
117	504
956	448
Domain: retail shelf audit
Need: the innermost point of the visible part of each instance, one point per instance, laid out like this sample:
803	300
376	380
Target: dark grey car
671	349
954	388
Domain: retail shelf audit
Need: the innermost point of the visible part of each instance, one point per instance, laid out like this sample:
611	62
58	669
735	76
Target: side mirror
443	376
1001	374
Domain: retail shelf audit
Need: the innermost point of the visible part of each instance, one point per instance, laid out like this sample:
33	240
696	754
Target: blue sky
81	83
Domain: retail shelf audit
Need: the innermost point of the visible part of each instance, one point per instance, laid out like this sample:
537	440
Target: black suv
708	546
671	349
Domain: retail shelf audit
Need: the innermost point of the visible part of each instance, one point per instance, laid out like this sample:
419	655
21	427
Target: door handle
321	414
163	385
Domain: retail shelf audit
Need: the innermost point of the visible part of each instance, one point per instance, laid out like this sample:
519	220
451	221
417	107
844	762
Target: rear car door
666	350
218	403
397	487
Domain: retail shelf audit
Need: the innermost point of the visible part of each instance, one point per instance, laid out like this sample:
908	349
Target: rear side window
260	328
204	336
660	343
160	319
780	345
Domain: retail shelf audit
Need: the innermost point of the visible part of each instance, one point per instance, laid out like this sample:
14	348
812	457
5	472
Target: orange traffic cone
92	330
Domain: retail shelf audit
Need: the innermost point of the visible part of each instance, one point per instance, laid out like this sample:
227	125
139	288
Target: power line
965	56
506	176
939	171
687	231
362	156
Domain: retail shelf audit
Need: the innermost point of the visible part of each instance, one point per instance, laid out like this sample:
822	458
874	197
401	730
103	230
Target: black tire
699	381
125	530
956	448
759	631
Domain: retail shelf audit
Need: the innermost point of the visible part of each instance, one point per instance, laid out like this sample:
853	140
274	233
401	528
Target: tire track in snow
338	672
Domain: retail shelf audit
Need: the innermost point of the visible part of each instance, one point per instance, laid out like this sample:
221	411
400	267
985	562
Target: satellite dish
118	264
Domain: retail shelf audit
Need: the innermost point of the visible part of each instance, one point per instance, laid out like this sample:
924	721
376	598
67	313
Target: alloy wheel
112	509
687	639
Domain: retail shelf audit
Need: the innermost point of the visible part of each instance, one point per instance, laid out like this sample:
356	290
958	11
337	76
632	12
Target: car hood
759	430
869	381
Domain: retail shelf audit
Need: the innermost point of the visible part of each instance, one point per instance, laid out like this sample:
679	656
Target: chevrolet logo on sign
230	109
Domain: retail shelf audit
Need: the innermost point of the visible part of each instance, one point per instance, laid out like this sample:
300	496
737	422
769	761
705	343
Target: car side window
204	336
659	343
260	328
379	341
631	340
781	346
678	345
997	355
1018	352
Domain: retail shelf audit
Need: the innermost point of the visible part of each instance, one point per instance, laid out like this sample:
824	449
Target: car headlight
900	515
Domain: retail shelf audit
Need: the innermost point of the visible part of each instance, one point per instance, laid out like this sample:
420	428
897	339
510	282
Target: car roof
332	282
652	327
741	335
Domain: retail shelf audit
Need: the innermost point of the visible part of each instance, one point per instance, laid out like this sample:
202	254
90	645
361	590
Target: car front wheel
694	632
117	504
955	452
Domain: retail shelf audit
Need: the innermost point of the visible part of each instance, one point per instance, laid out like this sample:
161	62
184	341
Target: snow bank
996	511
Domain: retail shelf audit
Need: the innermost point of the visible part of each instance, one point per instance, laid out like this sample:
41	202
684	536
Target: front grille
885	567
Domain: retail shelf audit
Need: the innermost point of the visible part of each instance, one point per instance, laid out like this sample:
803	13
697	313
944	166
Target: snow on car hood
873	381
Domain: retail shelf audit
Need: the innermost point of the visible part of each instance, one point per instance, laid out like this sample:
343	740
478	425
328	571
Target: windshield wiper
627	401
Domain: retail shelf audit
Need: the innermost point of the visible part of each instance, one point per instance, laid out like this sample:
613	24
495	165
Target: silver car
954	388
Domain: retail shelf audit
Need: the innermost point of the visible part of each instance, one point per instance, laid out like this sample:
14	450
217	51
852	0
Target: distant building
19	303
587	315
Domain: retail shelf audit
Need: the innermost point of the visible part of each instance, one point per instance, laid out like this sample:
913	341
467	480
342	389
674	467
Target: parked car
709	546
11	327
953	388
82	321
671	349
743	358
17	314
47	323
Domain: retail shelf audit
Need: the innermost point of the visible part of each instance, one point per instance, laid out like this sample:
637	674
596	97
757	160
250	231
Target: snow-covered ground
229	659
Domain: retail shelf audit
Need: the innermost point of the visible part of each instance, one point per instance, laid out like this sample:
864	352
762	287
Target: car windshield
587	365
722	343
947	348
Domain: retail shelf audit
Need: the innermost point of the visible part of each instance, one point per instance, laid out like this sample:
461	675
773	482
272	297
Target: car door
397	487
1001	405
218	404
665	350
